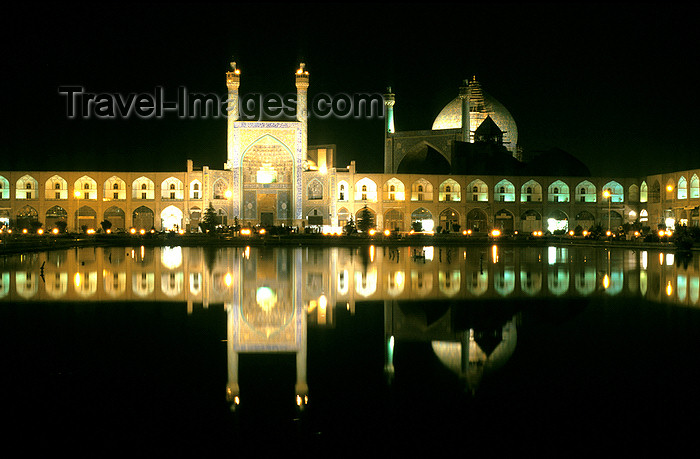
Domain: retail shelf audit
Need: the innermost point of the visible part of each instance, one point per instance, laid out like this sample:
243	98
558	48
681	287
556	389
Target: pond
307	351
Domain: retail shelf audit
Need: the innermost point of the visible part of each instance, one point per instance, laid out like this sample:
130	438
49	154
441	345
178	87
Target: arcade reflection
273	295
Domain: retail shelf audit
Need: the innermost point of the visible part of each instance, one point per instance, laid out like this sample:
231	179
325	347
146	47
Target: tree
209	220
349	227
365	220
61	225
106	225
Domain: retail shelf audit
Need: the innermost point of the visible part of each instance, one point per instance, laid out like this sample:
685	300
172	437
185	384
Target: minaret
464	96
302	83
389	100
233	81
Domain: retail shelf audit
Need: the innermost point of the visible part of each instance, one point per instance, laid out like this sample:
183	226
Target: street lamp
608	194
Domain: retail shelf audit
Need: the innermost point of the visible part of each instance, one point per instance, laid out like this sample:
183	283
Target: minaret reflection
266	314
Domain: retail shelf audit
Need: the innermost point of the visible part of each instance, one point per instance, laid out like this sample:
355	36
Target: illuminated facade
436	178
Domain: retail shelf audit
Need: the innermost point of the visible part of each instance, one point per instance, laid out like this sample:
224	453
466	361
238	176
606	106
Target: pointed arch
116	216
558	191
27	188
694	187
87	186
682	188
171	219
617	192
479	190
172	189
423	217
143	188
449	220
586	192
314	189
421	190
195	189
394	190
26	216
56	188
449	190
114	189
393	220
504	191
643	192
366	190
53	215
4	188
633	193
531	191
219	189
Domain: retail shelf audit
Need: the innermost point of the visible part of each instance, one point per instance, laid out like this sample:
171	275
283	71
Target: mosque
465	173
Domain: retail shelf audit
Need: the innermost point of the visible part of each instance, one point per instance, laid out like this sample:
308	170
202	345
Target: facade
448	178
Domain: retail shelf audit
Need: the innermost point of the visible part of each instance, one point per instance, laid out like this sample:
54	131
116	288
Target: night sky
614	85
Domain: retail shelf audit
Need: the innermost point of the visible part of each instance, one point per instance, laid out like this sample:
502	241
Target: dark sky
614	85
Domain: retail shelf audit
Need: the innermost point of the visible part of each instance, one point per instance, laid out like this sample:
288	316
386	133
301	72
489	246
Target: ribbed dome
481	105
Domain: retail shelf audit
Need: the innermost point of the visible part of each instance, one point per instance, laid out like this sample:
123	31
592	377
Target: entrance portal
267	218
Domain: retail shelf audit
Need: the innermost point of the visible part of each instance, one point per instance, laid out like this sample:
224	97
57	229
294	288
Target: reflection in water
444	297
344	275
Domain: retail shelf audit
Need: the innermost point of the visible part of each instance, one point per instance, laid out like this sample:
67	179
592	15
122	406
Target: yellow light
669	289
636	234
245	232
91	231
77	280
228	194
236	400
40	231
387	232
495	233
54	231
109	231
228	279
668	232
606	193
372	232
585	233
464	232
608	233
24	231
77	194
662	233
469	231
494	253
142	231
182	231
669	188
606	281
132	230
262	231
571	233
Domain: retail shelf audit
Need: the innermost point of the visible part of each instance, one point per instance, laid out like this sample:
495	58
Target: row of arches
171	218
477	220
114	188
477	190
504	282
675	189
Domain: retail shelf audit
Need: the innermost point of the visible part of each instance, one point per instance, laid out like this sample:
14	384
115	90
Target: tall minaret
464	97
302	83
389	100
233	81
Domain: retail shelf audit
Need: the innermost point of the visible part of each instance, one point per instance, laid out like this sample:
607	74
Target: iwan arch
448	177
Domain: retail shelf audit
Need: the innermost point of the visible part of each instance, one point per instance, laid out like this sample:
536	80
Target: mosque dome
481	105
